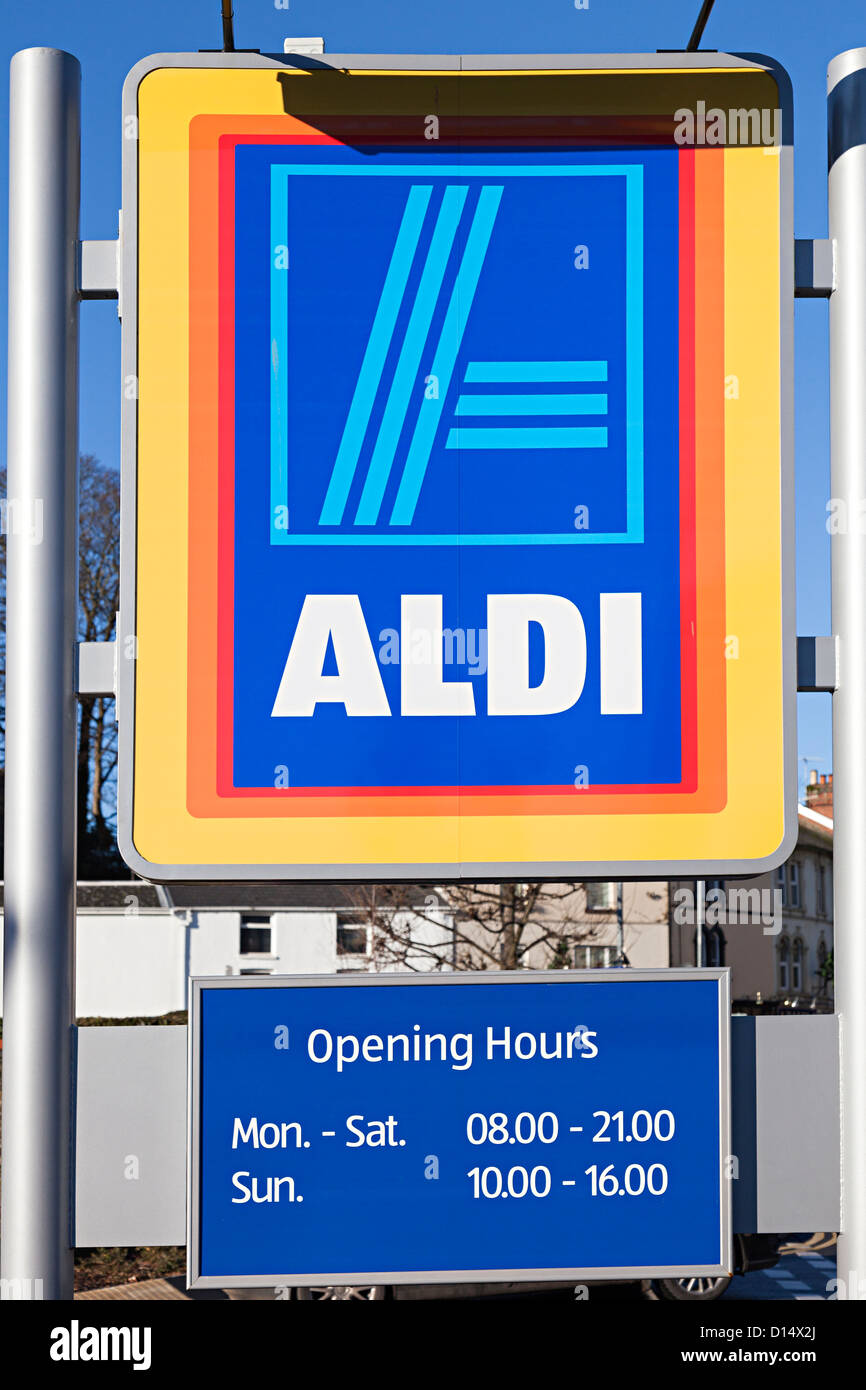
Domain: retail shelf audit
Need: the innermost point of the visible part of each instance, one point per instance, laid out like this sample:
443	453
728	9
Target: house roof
120	894
814	820
233	897
286	897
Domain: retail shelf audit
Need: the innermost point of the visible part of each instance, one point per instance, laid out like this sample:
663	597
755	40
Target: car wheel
344	1293
693	1288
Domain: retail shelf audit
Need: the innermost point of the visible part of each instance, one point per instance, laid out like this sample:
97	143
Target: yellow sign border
751	825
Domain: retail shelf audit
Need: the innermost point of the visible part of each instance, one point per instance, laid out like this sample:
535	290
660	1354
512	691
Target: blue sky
109	36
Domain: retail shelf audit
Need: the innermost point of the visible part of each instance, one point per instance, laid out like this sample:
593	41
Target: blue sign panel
414	1129
441	390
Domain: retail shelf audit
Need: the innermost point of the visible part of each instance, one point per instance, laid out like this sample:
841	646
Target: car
751	1252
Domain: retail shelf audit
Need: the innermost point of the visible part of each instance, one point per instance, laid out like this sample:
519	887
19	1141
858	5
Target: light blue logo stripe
461	171
375	354
327	538
544	373
406	372
634	400
279	345
515	437
536	371
444	361
553	404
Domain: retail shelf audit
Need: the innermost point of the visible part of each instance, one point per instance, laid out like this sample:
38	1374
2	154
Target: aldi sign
456	454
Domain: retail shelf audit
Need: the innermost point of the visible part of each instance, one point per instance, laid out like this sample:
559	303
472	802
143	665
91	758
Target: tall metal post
847	152
700	912
41	610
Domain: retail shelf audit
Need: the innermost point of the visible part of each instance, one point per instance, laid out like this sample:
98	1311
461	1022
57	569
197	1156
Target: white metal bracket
814	268
99	270
306	48
97	668
817	664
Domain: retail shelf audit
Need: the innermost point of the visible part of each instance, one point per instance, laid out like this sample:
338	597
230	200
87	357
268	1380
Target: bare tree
98	601
480	926
99	590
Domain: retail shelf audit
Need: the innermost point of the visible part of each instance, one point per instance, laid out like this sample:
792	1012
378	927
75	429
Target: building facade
775	931
138	943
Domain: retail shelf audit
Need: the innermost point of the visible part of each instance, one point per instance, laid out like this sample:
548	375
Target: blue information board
421	1129
478	424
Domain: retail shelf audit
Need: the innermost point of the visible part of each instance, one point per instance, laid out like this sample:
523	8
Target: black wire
700	26
228	27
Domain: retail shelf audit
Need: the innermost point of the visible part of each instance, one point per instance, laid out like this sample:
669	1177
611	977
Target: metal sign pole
41	611
847	151
700	908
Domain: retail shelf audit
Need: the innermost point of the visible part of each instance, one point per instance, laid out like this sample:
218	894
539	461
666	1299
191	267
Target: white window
353	934
797	967
825	890
793	883
784	963
593	957
601	897
256	936
782	884
821	890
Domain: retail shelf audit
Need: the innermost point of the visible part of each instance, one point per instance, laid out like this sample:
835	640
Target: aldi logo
463	516
419	362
